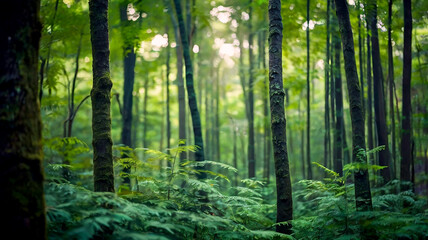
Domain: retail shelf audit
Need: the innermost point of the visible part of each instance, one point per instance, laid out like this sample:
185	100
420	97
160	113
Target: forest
220	119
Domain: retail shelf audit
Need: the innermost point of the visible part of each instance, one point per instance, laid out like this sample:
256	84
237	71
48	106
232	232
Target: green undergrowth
167	200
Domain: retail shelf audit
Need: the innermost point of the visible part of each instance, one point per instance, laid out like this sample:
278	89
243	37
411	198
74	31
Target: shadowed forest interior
222	119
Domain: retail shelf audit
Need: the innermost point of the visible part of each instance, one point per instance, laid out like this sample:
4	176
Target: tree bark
379	101
363	198
278	121
406	134
193	105
369	100
21	175
100	96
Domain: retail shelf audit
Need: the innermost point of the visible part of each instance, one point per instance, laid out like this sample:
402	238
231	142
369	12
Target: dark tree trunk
406	134
22	200
100	96
369	100
193	105
168	119
338	141
362	186
128	86
379	101
251	143
308	94
391	90
360	51
326	105
180	81
278	121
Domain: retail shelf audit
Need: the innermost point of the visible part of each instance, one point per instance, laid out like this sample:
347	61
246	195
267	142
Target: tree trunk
362	187
369	100
308	94
128	86
326	100
267	132
406	134
146	97
100	96
21	154
168	119
278	121
193	105
251	143
338	141
379	101
391	90
360	51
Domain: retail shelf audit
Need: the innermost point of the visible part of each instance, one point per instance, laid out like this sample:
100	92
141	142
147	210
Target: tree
379	100
22	199
251	143
100	96
180	82
193	105
406	150
391	88
363	198
327	142
278	121
308	94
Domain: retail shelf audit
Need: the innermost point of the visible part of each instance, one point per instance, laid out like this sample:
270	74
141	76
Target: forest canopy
222	119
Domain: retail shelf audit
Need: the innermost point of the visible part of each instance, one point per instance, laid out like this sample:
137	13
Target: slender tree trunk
278	121
406	134
360	51
267	131
338	141
129	57
251	143
308	94
327	82
100	96
362	186
193	105
379	101
391	90
146	98
168	119
180	81
369	100
21	154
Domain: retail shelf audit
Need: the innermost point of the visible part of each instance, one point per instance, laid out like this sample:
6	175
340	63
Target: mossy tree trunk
21	176
100	96
193	105
362	187
278	121
406	149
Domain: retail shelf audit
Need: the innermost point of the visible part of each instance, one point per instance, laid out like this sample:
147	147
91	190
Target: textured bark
251	143
379	100
278	121
21	176
308	94
338	140
362	187
193	105
406	150
391	90
100	96
327	93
